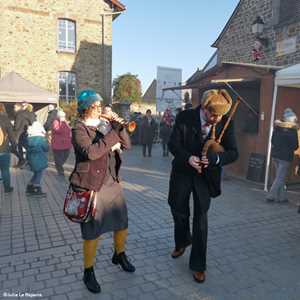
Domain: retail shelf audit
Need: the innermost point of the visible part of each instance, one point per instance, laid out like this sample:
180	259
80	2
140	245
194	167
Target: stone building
62	46
260	38
280	37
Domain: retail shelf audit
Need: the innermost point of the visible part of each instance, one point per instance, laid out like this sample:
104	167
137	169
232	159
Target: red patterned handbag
79	206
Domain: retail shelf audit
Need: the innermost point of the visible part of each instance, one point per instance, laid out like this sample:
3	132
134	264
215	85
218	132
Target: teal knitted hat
86	98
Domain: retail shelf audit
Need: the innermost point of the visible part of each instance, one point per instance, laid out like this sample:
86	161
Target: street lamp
257	29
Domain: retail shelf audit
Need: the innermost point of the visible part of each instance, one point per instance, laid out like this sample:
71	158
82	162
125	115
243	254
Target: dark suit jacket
186	140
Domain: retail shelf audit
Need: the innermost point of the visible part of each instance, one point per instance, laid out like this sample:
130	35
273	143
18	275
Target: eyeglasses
96	106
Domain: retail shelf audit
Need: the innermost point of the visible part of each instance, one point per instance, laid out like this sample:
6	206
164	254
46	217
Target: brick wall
237	42
28	42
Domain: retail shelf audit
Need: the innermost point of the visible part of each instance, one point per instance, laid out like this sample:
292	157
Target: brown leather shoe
199	277
178	252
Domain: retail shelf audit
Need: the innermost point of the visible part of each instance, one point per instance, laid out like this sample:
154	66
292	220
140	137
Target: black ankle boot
122	260
29	188
37	191
90	281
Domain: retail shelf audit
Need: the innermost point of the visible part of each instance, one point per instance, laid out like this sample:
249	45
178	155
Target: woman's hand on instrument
116	126
115	147
194	161
114	116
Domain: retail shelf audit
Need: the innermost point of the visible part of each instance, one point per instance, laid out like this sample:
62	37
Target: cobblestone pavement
253	247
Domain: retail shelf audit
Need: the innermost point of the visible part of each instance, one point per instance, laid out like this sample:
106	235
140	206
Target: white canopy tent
288	77
14	88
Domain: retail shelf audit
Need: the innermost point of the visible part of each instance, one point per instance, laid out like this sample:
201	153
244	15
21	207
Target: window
67	86
66	35
289	10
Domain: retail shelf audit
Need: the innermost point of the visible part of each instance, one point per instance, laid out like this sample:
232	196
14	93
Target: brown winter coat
91	152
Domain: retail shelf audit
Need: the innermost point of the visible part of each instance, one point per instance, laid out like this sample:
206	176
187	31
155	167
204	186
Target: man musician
198	173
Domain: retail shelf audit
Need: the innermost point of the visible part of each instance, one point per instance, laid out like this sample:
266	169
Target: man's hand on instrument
194	161
204	161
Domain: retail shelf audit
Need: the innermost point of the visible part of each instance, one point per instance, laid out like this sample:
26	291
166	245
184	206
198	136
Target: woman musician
97	168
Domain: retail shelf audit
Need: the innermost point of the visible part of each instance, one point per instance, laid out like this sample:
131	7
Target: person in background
165	130
37	148
148	128
284	143
107	110
97	169
178	110
52	115
61	141
188	105
7	141
24	117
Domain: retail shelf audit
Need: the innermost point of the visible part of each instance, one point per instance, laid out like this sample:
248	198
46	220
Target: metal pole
241	98
270	137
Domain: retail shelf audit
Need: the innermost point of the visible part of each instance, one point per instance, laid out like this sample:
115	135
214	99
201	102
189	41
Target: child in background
37	148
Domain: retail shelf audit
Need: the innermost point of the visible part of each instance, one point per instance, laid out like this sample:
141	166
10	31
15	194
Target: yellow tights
90	247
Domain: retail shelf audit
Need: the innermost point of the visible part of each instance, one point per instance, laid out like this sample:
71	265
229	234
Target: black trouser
179	202
149	146
60	157
21	144
165	149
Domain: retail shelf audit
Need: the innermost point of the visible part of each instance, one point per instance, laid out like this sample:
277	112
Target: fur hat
289	116
217	101
86	99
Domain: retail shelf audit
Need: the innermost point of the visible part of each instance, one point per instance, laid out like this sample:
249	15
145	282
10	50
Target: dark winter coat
147	131
186	140
23	119
8	133
91	153
165	132
284	143
52	116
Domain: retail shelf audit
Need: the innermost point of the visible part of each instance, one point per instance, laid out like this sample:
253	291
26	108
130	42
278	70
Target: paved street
253	247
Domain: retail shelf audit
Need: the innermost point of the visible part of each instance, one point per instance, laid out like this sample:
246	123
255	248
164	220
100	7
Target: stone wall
237	42
29	42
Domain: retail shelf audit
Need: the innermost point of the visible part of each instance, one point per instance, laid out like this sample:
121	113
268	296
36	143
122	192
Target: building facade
280	37
61	46
260	38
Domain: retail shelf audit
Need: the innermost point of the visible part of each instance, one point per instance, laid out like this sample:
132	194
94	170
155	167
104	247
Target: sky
167	33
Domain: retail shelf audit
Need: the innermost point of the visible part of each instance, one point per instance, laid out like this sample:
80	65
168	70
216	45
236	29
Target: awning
288	77
14	88
215	84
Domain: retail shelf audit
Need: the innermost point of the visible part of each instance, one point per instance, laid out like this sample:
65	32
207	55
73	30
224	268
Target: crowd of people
30	140
98	138
26	133
149	128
